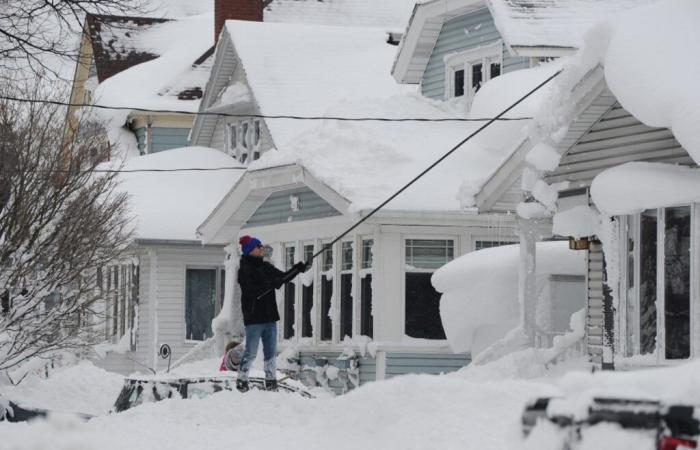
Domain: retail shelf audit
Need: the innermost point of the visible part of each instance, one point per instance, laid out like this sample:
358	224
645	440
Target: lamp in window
578	243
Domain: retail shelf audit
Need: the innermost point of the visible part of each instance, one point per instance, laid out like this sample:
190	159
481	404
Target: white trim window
244	140
289	314
467	71
659	286
422	301
366	308
204	287
346	289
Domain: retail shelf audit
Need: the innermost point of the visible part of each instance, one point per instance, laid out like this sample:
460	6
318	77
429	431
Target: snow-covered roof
366	162
634	187
553	23
170	205
386	14
481	287
305	69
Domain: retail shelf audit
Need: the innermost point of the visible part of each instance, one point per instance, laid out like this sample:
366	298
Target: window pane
244	135
233	136
289	310
256	133
289	256
647	282
479	245
326	294
200	298
631	304
367	253
459	82
345	305
428	254
366	318
422	308
477	77
327	259
347	256
307	298
677	282
495	70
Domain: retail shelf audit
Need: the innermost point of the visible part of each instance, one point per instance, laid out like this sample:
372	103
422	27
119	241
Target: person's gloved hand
299	267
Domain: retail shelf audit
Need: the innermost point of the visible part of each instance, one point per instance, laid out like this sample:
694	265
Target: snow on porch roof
553	23
170	205
366	162
300	69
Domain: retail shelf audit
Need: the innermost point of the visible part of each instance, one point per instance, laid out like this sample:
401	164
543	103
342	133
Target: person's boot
242	385
270	385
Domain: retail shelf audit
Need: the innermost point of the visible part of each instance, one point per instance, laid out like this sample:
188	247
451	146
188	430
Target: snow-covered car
674	427
13	412
138	390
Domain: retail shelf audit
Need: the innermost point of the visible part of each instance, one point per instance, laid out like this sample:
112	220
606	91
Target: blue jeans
267	332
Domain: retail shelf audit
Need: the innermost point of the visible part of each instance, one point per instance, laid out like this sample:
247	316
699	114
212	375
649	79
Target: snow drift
480	290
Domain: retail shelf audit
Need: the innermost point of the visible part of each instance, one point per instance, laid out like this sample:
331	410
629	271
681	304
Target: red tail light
674	443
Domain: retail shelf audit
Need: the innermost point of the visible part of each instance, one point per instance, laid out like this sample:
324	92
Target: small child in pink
232	356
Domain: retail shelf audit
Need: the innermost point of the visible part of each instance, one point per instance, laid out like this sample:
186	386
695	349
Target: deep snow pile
480	289
171	205
80	388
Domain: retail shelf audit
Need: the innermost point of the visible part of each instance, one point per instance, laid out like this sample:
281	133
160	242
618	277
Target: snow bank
480	289
80	388
634	187
171	205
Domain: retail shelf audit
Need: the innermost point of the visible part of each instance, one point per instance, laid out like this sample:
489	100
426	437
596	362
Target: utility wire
420	175
257	116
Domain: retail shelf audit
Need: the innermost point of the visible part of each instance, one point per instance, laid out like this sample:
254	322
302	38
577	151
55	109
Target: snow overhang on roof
551	27
422	33
250	191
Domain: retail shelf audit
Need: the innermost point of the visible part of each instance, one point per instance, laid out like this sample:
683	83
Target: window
346	290
467	71
479	245
289	294
232	140
366	316
422	307
203	297
244	140
307	298
657	237
326	294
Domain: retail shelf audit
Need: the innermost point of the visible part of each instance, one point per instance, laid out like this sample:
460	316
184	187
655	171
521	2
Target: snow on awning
634	187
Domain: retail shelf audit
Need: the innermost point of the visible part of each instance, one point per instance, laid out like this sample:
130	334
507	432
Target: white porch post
527	287
229	323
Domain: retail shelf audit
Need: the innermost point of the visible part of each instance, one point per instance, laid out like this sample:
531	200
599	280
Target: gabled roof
528	24
422	33
117	44
301	69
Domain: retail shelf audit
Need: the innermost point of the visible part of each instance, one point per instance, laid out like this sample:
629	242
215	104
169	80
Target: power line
428	169
259	116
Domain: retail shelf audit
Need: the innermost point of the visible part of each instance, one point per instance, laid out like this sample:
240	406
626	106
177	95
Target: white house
622	141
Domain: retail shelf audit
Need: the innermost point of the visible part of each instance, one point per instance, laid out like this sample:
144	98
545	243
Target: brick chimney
236	10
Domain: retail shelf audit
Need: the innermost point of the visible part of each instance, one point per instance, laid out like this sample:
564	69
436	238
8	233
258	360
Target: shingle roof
115	43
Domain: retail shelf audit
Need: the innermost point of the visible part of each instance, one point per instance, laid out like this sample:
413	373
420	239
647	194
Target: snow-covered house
142	64
323	176
611	157
169	287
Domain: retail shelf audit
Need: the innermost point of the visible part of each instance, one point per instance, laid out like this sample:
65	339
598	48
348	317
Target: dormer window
467	71
244	139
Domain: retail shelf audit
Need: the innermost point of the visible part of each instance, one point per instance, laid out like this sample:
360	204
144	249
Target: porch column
527	282
229	323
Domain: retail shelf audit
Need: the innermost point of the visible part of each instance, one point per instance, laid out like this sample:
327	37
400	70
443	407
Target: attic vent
190	94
